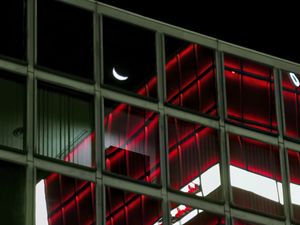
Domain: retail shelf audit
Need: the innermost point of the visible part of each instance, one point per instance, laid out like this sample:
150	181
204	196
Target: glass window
294	173
12	113
191	76
65	126
129	58
243	222
124	208
291	97
13	29
183	214
13	193
132	142
250	94
255	175
65	38
63	200
194	159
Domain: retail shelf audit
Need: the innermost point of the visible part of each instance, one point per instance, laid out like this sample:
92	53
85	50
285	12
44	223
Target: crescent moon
118	76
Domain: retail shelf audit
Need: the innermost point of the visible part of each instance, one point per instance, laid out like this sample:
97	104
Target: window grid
99	93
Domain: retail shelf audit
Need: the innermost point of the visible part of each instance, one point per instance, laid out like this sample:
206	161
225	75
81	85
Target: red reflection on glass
132	142
255	175
69	201
294	173
194	152
191	80
129	208
250	94
291	105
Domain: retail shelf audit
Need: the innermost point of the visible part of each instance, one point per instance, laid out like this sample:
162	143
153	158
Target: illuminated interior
132	148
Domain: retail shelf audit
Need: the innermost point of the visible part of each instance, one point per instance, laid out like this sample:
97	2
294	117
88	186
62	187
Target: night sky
269	29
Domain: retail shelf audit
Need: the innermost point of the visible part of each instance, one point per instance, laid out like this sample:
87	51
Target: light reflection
41	215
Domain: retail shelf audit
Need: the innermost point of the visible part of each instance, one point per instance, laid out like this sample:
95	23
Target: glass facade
250	94
191	77
123	207
194	159
120	120
64	200
12	113
65	126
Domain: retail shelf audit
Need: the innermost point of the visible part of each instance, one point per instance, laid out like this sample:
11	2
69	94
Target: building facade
108	117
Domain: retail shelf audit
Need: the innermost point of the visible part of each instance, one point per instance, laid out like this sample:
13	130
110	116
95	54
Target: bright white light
41	216
211	179
259	185
189	216
118	76
295	193
294	79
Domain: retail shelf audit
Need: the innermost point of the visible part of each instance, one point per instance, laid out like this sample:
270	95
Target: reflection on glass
64	200
12	113
129	58
13	29
127	208
255	175
65	126
182	214
243	222
294	172
250	94
191	77
65	38
12	194
132	142
194	159
291	95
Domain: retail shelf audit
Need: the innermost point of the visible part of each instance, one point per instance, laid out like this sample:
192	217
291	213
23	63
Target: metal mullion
65	82
131	100
13	67
198	203
13	156
191	117
83	4
278	103
64	169
163	145
132	186
254	217
98	121
30	114
235	129
285	183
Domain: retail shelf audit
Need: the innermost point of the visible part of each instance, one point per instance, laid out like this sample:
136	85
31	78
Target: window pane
294	169
12	194
243	222
194	159
65	126
129	58
124	208
132	142
13	29
65	38
291	97
12	113
255	175
63	200
250	94
191	77
183	214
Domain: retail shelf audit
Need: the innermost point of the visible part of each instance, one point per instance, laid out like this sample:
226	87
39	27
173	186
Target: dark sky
269	29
